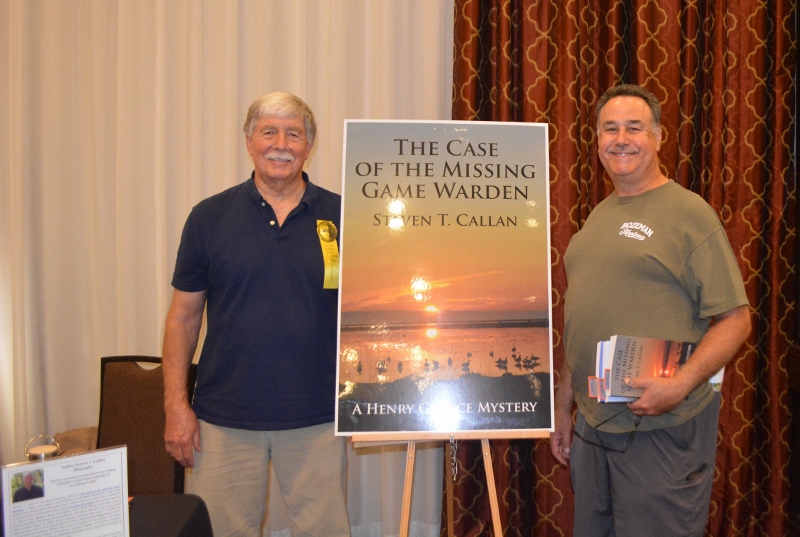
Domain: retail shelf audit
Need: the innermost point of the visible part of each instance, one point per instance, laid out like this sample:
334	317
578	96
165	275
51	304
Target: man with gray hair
262	259
29	490
645	467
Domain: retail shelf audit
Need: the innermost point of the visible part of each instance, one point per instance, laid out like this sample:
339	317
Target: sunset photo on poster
445	306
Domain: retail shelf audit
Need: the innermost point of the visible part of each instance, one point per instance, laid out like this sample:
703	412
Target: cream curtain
116	117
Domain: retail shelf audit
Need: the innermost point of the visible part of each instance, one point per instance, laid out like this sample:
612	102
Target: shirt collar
308	198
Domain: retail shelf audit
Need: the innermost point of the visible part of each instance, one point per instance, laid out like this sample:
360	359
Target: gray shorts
645	482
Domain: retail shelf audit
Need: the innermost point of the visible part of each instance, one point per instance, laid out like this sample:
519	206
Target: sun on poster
445	305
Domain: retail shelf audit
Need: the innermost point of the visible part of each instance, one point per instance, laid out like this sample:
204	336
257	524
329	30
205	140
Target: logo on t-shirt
635	230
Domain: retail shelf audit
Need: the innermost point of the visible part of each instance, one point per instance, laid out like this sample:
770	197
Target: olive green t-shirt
657	265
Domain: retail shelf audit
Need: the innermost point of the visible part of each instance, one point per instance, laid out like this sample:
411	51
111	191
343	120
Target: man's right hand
185	316
561	439
182	435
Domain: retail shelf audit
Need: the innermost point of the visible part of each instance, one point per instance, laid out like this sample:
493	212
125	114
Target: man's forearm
565	396
180	342
561	437
721	343
177	356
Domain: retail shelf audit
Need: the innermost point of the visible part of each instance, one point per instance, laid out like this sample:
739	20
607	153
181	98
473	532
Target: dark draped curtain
725	72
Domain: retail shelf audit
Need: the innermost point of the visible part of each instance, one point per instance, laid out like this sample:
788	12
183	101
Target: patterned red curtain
725	72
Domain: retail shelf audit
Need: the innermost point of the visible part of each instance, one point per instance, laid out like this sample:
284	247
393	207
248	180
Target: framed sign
83	494
445	304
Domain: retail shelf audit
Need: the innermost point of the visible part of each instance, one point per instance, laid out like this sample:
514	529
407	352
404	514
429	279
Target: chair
132	413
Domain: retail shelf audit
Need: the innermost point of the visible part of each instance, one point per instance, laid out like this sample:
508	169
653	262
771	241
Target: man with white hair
28	490
262	258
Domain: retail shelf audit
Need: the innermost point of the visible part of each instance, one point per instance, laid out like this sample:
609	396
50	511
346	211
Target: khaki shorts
231	474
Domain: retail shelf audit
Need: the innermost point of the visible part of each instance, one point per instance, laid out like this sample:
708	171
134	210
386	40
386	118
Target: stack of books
628	357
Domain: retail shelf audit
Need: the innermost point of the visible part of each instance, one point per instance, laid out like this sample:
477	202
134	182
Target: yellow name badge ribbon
330	253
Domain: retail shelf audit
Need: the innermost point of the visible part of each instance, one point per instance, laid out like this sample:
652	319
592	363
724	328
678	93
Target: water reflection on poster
445	308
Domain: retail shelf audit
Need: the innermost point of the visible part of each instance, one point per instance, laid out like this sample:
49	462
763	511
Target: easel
412	439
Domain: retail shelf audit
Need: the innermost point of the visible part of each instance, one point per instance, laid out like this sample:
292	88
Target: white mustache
280	155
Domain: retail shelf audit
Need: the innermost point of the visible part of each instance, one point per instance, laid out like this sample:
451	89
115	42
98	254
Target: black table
169	515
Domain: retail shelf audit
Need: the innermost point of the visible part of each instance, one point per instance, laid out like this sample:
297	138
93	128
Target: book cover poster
445	304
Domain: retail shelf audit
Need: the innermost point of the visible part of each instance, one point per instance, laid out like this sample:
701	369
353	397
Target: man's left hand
660	395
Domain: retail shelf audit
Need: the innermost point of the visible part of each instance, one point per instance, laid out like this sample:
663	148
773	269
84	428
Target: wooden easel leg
449	491
405	515
491	488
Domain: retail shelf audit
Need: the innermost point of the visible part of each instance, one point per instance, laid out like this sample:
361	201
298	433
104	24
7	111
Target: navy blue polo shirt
269	357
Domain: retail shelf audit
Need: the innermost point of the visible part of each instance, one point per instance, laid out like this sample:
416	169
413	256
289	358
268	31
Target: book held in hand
627	357
604	361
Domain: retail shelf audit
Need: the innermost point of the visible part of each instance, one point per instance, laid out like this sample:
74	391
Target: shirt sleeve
712	276
191	266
